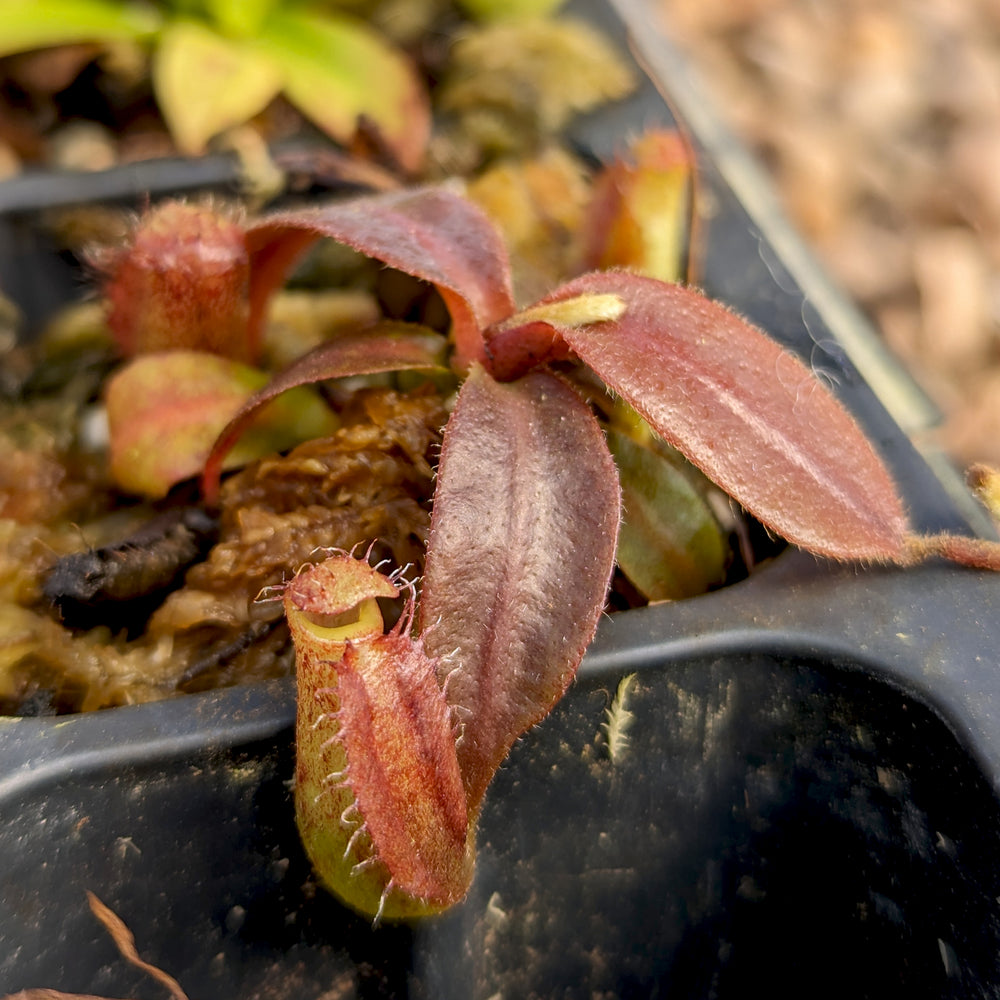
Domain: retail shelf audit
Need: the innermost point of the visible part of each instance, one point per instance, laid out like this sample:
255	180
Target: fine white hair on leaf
324	719
618	719
389	886
363	865
353	840
451	673
273	592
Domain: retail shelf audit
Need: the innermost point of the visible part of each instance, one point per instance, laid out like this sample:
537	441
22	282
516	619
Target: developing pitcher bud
181	282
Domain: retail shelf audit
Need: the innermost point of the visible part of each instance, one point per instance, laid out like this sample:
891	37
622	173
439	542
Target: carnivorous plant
400	732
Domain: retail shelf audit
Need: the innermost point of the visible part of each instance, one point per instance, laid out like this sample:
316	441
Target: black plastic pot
807	804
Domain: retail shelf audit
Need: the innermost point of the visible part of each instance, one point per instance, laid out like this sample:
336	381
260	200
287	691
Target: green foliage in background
217	63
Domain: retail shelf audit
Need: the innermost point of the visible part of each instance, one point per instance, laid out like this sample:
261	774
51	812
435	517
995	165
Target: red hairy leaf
385	347
749	414
519	559
430	233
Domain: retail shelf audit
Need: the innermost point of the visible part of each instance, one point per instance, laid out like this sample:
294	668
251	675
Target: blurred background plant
880	122
215	64
207	66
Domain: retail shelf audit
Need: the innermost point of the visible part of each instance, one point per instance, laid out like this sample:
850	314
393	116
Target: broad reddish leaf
206	83
166	409
745	411
520	555
430	233
341	74
385	347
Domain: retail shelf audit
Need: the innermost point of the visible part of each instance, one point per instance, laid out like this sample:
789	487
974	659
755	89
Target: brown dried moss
372	480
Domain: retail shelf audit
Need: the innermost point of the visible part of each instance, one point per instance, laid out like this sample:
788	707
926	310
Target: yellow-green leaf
206	83
498	10
640	212
165	410
29	24
240	18
339	72
669	544
586	308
